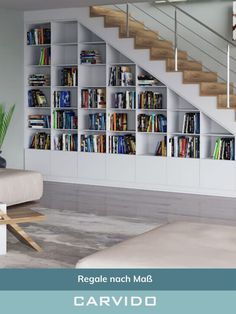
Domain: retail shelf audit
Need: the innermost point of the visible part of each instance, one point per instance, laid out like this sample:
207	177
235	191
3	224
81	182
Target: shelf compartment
64	32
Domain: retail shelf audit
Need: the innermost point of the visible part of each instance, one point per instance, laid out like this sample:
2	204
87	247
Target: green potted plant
5	119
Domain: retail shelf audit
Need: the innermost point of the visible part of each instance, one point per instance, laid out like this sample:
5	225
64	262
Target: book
97	121
40	140
191	123
124	100
162	148
45	56
65	119
66	142
147	80
69	76
36	98
39	36
224	149
122	144
93	98
152	123
118	122
150	100
185	146
39	79
62	99
90	57
121	76
39	121
93	143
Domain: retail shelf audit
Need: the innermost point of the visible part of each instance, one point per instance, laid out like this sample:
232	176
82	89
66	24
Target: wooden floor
84	219
159	206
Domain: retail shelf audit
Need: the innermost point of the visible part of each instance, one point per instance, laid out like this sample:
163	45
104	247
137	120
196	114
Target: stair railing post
127	19
228	77
176	41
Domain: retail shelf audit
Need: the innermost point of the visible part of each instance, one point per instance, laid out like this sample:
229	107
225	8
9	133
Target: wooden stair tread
96	11
214	89
165	53
199	77
142	42
183	65
222	102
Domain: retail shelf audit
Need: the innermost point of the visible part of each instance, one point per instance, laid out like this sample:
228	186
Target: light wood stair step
165	53
183	65
111	21
141	42
222	102
214	89
97	11
138	32
190	77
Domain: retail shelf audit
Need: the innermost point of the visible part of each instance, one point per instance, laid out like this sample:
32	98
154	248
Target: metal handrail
201	23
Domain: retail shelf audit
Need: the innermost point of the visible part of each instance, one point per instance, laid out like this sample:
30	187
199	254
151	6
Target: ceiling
25	5
54	4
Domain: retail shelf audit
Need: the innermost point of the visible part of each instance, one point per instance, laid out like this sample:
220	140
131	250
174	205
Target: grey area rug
68	236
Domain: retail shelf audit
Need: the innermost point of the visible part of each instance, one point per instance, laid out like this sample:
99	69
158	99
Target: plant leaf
5	119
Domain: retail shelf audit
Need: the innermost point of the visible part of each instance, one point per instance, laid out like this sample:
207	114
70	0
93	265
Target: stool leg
22	236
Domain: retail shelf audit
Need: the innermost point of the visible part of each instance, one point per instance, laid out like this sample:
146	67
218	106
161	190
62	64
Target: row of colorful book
65	119
45	56
150	100
118	122
39	121
62	99
39	36
69	76
185	146
97	121
121	76
122	144
66	142
224	149
124	100
152	123
93	98
93	143
90	57
40	140
36	98
191	123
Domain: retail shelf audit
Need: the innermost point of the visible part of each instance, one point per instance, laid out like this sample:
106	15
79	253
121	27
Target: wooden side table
16	216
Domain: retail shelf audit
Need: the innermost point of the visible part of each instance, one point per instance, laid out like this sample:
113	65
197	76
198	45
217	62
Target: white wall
11	82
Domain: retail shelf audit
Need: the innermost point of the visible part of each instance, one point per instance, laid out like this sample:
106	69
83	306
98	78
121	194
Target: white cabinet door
92	166
64	164
151	170
183	172
121	168
218	174
38	160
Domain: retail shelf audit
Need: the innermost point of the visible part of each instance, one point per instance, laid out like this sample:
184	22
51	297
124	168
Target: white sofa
176	245
20	186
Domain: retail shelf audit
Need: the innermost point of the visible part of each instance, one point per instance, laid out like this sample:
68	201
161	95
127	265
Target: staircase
157	56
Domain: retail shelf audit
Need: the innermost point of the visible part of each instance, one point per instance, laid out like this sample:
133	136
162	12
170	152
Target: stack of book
66	142
122	144
64	119
147	80
185	146
39	121
162	148
152	123
39	80
90	57
118	122
45	56
93	143
124	100
224	149
150	100
191	123
97	121
40	141
69	76
62	99
36	98
39	36
93	98
121	76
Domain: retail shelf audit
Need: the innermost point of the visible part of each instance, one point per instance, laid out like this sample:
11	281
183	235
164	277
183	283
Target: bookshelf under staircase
94	115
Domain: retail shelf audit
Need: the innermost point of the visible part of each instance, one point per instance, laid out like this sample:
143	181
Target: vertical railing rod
127	19
176	41
228	77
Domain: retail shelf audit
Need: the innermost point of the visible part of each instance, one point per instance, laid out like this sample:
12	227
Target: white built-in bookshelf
68	40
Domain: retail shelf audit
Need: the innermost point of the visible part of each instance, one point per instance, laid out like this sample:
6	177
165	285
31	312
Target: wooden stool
18	215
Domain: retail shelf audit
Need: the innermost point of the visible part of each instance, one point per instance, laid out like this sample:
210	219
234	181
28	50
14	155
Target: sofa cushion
19	186
177	245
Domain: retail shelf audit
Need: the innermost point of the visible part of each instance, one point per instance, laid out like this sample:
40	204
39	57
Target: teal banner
118	279
117	302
